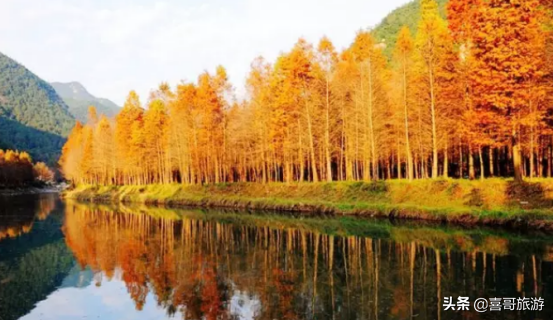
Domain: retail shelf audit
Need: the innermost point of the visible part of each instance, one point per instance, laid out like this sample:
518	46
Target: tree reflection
16	219
33	257
208	267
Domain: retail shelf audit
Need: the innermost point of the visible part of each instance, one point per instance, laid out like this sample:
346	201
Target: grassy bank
492	202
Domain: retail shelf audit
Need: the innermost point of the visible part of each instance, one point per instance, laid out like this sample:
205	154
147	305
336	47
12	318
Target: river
66	260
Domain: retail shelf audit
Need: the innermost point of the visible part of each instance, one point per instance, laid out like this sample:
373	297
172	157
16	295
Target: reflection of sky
244	306
108	301
78	297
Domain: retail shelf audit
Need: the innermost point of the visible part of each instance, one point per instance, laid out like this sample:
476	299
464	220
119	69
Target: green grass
462	201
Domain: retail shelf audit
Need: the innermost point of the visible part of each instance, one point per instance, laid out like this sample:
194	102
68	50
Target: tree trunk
435	167
516	157
327	148
549	162
398	162
315	176
461	160
416	167
481	164
532	153
540	158
445	164
371	130
491	161
471	164
410	166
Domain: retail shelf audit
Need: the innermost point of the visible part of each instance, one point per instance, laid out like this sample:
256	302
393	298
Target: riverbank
32	190
491	202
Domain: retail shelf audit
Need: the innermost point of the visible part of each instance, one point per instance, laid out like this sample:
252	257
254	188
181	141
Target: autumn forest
398	171
17	170
469	96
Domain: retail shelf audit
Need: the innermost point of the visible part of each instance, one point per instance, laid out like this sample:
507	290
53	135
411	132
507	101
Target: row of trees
467	97
17	169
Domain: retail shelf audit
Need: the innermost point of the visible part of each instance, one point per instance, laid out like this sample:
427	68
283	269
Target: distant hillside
78	99
408	15
32	115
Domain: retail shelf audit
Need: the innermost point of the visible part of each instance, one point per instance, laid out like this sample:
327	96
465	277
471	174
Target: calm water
72	261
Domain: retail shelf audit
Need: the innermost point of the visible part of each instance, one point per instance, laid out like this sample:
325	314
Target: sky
114	46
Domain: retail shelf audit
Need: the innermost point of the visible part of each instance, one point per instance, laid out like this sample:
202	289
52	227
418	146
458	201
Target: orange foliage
17	169
474	90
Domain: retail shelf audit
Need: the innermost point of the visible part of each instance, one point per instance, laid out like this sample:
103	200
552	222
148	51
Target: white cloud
115	46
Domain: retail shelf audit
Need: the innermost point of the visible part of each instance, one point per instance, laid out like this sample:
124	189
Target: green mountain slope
32	115
408	14
78	99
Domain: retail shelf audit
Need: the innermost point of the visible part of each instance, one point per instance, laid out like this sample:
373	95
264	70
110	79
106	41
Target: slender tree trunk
516	156
461	161
343	167
532	153
398	162
315	176
349	166
471	163
445	163
481	164
435	166
287	160
491	161
416	168
371	130
409	167
540	159
525	165
327	138
549	162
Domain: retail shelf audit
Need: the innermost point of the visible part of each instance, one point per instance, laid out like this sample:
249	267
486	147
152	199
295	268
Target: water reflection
224	265
33	256
82	261
17	213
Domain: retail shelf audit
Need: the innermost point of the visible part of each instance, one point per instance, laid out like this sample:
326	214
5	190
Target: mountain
32	115
78	99
408	14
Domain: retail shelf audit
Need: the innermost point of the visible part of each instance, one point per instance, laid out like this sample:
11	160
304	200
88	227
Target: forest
469	96
32	116
17	169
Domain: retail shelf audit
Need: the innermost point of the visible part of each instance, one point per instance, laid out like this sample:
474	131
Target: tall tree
327	59
432	46
505	78
403	55
371	65
125	120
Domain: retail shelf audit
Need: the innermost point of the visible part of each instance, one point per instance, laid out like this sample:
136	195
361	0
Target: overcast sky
113	46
